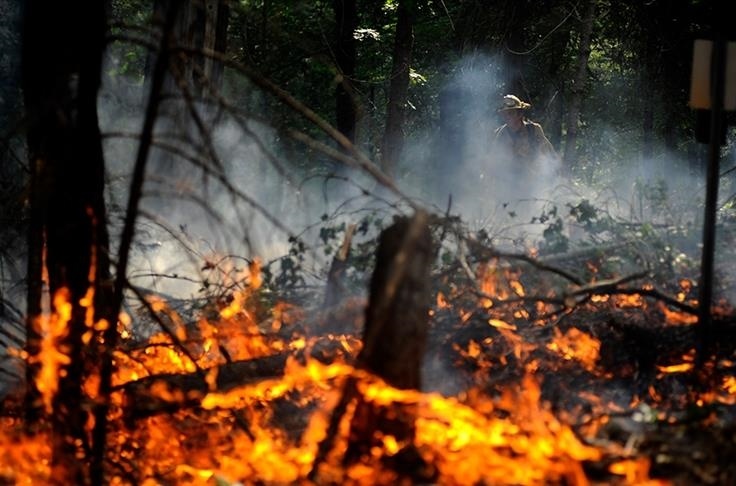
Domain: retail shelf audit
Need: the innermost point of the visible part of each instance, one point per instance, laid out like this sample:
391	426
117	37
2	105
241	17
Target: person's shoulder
535	128
533	124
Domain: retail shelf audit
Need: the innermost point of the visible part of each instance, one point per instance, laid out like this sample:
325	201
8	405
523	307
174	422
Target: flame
24	459
626	301
52	358
442	301
636	471
676	317
729	385
268	429
576	345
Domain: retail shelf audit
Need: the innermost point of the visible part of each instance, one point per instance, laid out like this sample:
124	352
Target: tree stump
393	347
393	344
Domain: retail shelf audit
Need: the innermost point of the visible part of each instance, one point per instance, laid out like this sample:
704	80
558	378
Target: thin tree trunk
578	86
346	21
393	139
110	335
646	81
220	41
514	64
61	78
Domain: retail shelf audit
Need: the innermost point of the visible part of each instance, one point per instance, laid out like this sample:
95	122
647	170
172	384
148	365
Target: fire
466	441
52	327
676	317
625	301
576	345
268	428
25	459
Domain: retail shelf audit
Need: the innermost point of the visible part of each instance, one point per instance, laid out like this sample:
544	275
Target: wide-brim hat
511	102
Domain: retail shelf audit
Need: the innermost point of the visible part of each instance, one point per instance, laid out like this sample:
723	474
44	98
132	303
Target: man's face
512	118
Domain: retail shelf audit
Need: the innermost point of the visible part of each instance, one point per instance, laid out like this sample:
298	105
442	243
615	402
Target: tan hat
511	102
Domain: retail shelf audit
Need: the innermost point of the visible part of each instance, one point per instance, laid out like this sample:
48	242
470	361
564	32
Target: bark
394	340
578	86
62	56
346	21
201	25
396	317
393	139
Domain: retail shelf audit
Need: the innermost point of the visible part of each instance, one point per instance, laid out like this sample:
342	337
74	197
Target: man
519	139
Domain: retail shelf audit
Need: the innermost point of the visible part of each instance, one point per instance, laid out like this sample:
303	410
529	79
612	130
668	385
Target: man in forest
519	140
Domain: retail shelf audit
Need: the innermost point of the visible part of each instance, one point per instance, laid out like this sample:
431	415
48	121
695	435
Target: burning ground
535	371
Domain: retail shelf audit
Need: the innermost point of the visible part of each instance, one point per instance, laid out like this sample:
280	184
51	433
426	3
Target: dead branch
606	287
264	83
141	401
484	252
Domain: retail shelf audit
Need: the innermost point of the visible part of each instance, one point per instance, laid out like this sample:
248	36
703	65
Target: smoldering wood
393	345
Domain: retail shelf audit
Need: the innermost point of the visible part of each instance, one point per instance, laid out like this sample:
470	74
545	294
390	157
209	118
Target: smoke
613	194
232	192
273	190
476	178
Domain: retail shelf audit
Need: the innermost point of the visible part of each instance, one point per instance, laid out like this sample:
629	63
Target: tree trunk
578	86
514	62
646	89
393	139
61	79
346	21
201	24
450	152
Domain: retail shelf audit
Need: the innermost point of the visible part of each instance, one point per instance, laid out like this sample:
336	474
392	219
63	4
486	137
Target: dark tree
346	20
578	85
393	139
62	56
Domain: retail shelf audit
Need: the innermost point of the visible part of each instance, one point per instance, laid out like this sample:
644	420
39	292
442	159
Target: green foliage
554	240
128	58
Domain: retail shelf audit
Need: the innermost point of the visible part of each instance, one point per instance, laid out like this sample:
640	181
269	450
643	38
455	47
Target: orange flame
576	345
52	328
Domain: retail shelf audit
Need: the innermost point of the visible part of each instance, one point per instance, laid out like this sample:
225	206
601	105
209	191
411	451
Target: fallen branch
141	400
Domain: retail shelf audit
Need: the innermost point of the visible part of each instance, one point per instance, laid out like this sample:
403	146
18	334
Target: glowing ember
576	345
